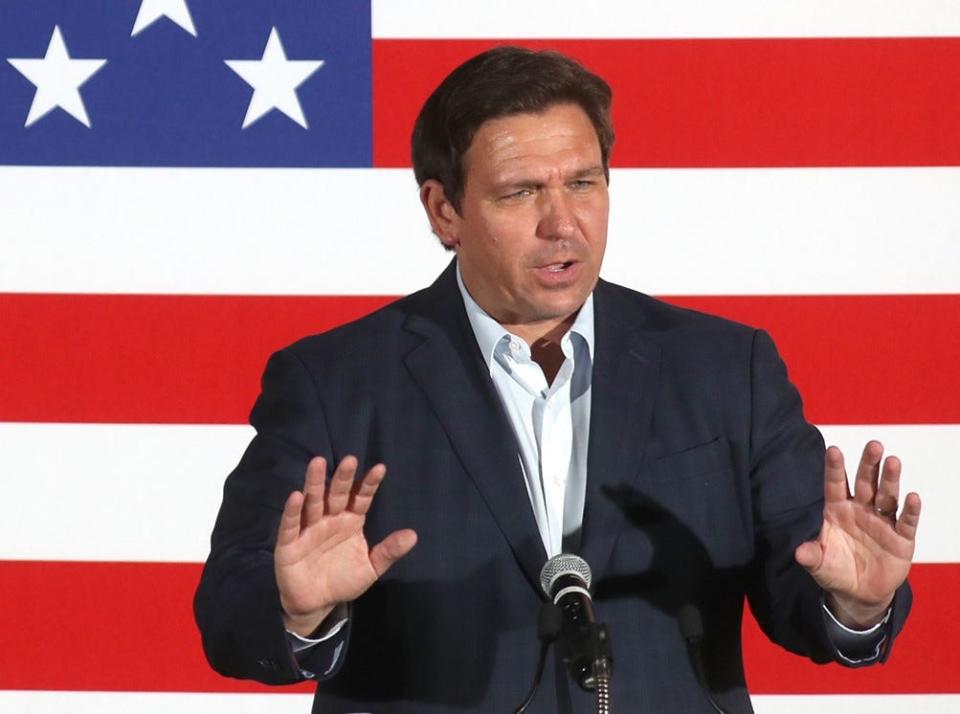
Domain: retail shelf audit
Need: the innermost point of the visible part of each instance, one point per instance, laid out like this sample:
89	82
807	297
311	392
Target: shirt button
514	347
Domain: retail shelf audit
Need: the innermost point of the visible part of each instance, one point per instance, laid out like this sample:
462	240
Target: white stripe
663	19
151	492
214	231
113	492
928	470
785	231
856	703
34	702
298	231
152	703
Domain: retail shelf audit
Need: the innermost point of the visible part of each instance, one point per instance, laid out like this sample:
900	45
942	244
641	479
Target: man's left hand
864	551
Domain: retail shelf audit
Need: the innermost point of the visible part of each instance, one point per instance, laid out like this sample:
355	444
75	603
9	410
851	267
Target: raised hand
322	558
864	551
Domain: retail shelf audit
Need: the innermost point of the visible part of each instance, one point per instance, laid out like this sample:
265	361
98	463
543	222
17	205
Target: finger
289	528
809	555
865	485
835	487
910	517
391	549
888	492
338	493
364	492
314	488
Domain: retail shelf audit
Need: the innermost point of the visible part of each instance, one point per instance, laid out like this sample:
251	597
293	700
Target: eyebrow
592	171
521	182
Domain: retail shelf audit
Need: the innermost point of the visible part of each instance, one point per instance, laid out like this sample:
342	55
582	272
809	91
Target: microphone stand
602	672
587	654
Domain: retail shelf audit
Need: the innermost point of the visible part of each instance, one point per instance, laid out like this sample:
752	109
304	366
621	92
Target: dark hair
501	82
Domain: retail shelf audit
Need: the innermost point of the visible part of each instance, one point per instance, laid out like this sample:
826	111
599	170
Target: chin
558	309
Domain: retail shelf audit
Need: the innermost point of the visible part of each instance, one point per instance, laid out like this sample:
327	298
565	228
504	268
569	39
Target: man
524	409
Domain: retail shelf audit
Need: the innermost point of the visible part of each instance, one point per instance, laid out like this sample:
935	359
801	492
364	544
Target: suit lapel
625	378
448	366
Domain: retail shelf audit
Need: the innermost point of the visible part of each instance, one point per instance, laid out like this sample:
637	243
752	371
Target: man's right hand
322	558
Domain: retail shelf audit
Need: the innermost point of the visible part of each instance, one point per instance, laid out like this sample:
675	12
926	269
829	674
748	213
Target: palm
322	557
863	552
329	562
862	555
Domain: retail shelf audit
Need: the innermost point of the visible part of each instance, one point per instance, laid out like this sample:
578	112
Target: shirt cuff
856	646
338	616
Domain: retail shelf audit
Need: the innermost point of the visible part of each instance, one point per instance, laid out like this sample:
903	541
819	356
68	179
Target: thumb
391	549
809	555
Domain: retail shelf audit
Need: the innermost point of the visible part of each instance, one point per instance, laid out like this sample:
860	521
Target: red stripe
105	626
878	359
147	358
198	359
743	102
129	627
925	657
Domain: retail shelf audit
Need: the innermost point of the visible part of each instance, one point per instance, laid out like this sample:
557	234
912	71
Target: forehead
558	137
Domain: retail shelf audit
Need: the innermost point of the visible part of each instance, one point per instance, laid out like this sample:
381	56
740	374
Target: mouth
560	274
557	267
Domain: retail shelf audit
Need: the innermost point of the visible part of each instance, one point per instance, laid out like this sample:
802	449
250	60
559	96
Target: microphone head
561	565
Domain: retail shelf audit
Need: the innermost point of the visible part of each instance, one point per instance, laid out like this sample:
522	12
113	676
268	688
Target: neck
544	341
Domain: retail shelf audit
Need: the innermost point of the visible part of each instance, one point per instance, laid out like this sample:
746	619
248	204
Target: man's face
532	225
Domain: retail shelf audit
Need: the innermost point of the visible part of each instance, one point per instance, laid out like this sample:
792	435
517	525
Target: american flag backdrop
187	185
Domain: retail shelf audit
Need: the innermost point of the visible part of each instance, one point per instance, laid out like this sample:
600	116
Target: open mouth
558	267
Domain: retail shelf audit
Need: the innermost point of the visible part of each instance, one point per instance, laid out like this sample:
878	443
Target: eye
581	184
517	195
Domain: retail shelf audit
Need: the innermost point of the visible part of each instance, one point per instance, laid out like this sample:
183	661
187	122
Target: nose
557	218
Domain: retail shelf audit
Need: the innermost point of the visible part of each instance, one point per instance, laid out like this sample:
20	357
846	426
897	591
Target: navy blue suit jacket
703	477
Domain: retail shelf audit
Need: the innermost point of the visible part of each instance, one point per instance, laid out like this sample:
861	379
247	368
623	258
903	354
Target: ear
444	219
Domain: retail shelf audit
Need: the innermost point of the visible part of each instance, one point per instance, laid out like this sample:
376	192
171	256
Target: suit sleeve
787	465
237	604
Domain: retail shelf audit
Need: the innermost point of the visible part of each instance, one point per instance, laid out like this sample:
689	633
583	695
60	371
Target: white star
274	79
153	10
58	80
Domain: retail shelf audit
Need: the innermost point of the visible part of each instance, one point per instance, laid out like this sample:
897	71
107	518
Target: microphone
691	627
584	644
